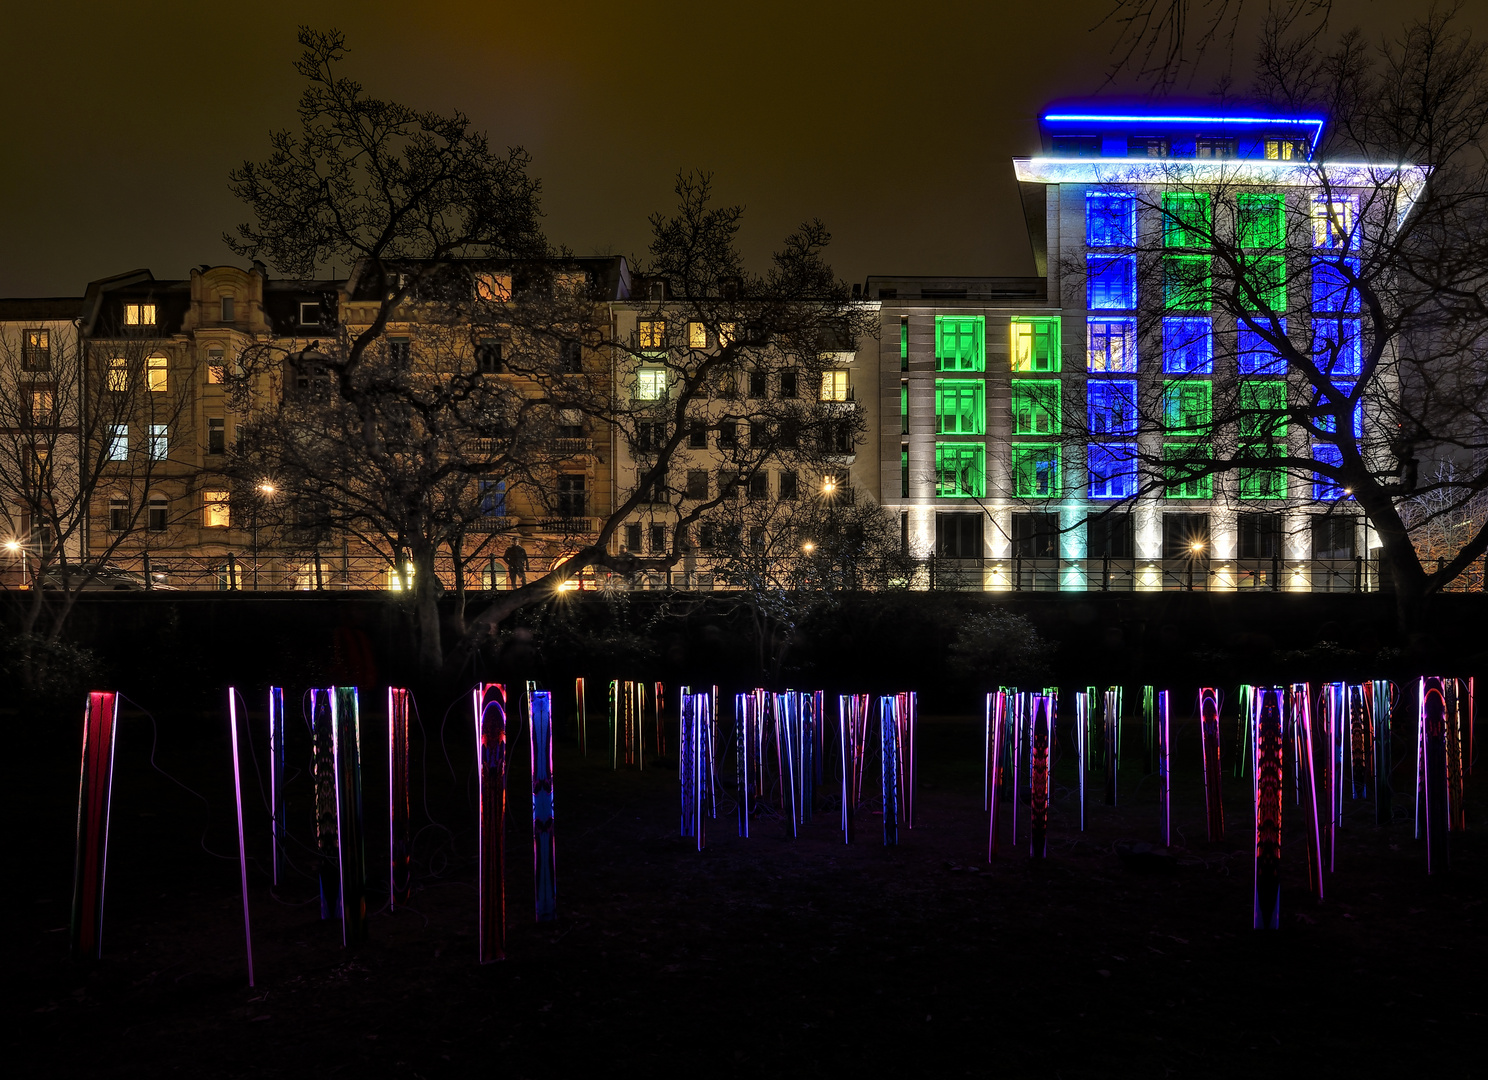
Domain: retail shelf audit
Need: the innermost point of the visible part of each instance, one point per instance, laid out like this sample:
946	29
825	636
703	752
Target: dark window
633	537
1185	536
216	435
1077	145
757	538
118	515
159	511
697	435
399	350
571	499
492	494
697	483
958	536
1333	536
650	435
1147	146
728	485
728	434
759	433
227	309
488	357
787	484
309	313
790	433
1259	535
1036	536
837	437
759	486
1214	148
572	358
653	491
658	538
756	383
1109	535
787	384
574	430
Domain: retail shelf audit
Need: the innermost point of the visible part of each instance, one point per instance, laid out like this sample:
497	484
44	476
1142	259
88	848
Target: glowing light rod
323	769
1268	711
232	722
1209	740
399	879
1314	122
351	830
277	801
488	702
95	794
544	841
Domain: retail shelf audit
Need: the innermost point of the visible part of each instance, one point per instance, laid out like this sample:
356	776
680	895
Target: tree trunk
426	607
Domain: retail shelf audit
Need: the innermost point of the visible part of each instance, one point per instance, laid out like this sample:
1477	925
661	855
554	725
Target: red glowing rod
232	720
488	702
1209	740
95	795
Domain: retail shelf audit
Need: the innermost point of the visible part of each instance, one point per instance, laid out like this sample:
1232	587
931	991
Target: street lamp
266	490
13	546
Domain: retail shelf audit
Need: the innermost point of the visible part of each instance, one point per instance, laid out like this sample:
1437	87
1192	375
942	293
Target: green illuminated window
1187	285
1036	470
960	470
1035	345
1262	408
904	406
1266	275
1260	220
1183	477
1036	406
1188	407
1186	219
959	408
904	470
904	343
960	343
1257	482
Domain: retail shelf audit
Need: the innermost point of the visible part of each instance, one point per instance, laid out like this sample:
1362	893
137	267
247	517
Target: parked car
105	578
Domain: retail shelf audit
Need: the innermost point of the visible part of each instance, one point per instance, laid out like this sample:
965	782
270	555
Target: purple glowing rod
232	719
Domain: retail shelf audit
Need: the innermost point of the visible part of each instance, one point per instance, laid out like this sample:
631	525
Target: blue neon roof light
1314	122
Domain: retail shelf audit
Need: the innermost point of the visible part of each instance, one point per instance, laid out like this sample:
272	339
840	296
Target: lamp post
265	491
13	546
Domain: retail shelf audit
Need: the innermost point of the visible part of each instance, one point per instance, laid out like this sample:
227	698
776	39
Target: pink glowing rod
278	820
997	705
1164	747
1311	780
743	757
846	729
232	722
906	711
1335	719
1456	807
1431	773
544	840
95	797
1040	741
1082	748
400	881
1209	741
488	702
1268	709
1017	741
581	714
659	696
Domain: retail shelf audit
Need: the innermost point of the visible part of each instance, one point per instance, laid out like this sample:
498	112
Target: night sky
893	122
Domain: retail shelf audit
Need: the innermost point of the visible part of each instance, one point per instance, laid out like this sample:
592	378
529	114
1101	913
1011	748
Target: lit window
1328	421
158	448
118	445
834	386
958	406
1188	347
1110	219
1036	470
1184	471
652	333
1111	282
1113	470
1111	406
1035	345
960	343
651	384
1264	283
728	333
1337	348
904	343
697	335
1260	220
1257	480
1036	407
495	288
1256	356
904	406
1186	219
118	374
139	314
398	582
1333	222
1286	150
1187	284
492	497
1324	487
156	373
215	513
1334	285
40	462
43	401
36	351
1112	345
1188	407
960	470
1262	409
216	366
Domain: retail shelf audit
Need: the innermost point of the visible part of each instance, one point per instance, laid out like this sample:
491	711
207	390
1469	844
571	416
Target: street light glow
808	547
266	487
13	545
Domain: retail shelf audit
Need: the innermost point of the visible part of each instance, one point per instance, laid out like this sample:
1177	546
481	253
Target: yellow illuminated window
118	374
834	386
1285	149
1035	345
651	384
396	582
493	287
1332	222
42	401
215	509
139	314
697	335
215	365
155	373
653	333
727	333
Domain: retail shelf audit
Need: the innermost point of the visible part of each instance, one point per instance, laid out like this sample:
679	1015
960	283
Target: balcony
574	446
568	526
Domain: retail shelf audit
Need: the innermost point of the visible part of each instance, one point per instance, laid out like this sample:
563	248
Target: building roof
1023	290
40	308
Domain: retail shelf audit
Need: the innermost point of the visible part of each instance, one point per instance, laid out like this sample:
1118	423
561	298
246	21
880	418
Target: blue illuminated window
1325	488
1332	289
1110	219
1113	470
1188	347
1253	356
1112	406
1111	282
1330	422
1112	345
1337	347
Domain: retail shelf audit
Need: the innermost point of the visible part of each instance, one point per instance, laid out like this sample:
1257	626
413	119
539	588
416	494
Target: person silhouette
516	565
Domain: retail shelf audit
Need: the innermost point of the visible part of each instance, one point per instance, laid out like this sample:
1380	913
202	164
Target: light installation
323	772
888	726
581	715
351	832
1149	729
1433	812
1111	712
1309	761
1382	698
232	727
488	703
795	743
1217	122
1082	749
658	695
400	880
1041	718
627	724
696	735
278	804
1209	742
1267	720
852	732
997	704
1162	733
1334	720
906	714
1244	749
1456	808
1360	737
544	840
